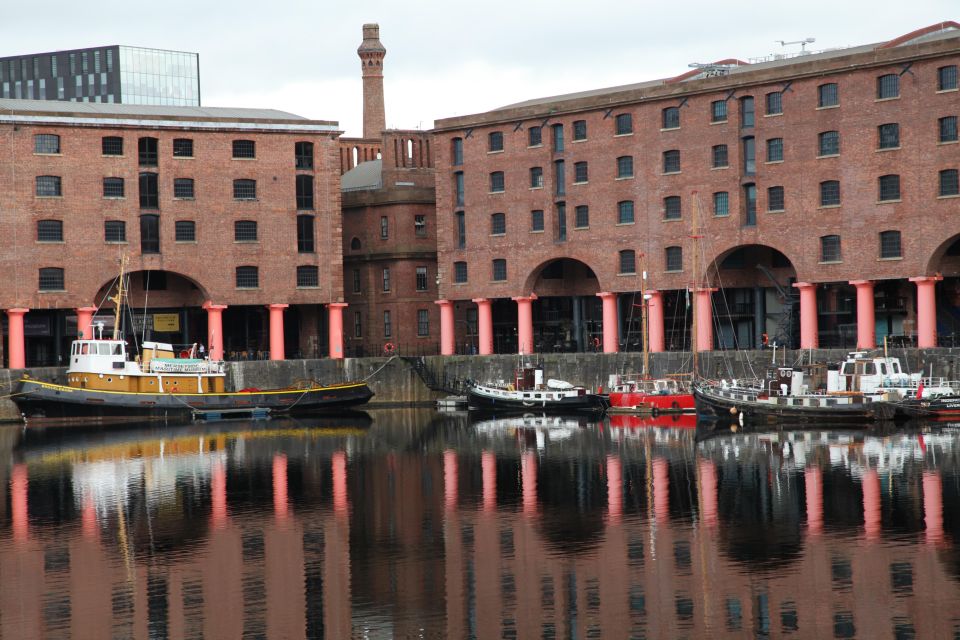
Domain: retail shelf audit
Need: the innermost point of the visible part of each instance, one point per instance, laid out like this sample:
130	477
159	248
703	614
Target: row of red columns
17	353
866	329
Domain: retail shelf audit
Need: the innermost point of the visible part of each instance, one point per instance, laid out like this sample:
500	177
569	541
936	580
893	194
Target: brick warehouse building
826	184
228	217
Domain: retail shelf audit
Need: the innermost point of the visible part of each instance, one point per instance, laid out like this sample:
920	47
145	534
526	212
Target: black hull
45	404
712	406
587	403
942	408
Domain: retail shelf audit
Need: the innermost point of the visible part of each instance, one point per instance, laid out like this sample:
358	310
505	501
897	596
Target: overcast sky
447	58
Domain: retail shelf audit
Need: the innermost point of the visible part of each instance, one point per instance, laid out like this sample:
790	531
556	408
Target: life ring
596	342
389	348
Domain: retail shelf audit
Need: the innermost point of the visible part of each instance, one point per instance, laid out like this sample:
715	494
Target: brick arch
940	262
581	278
755	253
182	290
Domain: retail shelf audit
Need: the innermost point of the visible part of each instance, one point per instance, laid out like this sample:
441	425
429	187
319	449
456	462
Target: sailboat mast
643	315
695	268
118	299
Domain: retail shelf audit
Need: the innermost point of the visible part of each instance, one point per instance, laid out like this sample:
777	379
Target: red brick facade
928	222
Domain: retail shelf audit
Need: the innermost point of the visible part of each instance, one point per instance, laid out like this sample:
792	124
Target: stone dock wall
397	381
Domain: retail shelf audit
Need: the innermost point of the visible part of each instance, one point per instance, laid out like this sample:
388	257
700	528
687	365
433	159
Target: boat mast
643	315
118	299
695	269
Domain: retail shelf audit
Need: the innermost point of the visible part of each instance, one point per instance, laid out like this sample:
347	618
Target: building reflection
533	527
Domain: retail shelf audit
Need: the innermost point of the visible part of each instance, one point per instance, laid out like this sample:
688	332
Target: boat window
104	349
883	368
83	348
845	369
895	367
118	350
869	369
73	349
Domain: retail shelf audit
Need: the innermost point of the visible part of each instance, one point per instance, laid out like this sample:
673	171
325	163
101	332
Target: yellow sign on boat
168	322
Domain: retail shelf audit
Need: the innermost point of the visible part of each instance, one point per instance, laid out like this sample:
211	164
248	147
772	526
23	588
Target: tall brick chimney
371	54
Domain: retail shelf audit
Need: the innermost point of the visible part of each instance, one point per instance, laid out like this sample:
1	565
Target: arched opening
945	261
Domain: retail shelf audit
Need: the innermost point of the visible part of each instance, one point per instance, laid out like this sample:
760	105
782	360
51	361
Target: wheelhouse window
248	277
303	156
51	279
244	149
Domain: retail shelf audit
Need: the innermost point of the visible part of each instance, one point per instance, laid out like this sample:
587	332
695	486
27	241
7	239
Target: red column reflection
933	506
450	479
280	506
89	518
661	489
488	462
528	471
871	504
708	492
614	488
18	503
339	462
813	483
218	494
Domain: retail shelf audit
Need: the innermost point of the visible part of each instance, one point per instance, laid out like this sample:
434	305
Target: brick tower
371	54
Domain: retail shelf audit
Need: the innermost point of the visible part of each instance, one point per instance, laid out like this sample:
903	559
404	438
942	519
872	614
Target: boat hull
46	404
588	402
941	408
713	403
638	402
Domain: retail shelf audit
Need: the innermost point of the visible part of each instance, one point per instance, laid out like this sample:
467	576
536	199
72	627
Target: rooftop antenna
803	43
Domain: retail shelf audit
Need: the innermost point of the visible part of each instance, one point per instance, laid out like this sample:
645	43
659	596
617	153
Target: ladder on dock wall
430	379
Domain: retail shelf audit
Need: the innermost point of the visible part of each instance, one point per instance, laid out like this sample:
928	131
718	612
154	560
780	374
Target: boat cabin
865	374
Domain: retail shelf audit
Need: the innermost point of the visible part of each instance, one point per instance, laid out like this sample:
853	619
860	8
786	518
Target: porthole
109	379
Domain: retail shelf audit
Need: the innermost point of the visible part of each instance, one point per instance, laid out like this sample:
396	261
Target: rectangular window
113	187
561	232
303	156
495	141
53	66
746	112
830	193
304	191
580	172
671	161
421	278
245	231
460	272
671	208
147	152
461	230
750	205
625	167
384	227
84	61
749	156
718	111
51	279
458	188
185	231
624	124
357	324
536	177
498	224
456	151
581	218
535	136
536	220
496	182
949	185
720	156
46	143
775	200
387	325
625	212
947	129
888	86
182	148
499	270
48	186
386	278
49	231
356	281
150	233
560	177
830	249
828	143
673	259
183	188
775	150
308	276
890	244
721	203
244	149
423	323
112	146
247	277
947	78
579	129
305	235
420	226
114	231
774	103
889	188
671	118
245	189
888	135
628	261
557	137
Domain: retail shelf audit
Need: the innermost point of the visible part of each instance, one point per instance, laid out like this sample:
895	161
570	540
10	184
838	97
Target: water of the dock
417	524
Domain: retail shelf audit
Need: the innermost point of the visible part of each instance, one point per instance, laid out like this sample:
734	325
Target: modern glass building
114	74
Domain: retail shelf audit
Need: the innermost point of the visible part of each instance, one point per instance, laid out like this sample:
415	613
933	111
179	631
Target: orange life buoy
389	347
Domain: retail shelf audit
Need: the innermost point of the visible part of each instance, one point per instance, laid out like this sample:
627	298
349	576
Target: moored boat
529	392
639	394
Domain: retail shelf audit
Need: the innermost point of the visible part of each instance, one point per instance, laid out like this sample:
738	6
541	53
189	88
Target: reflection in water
416	524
